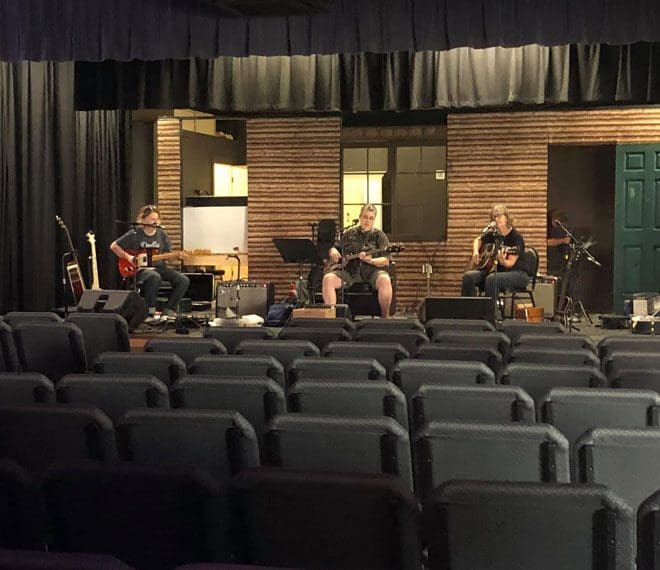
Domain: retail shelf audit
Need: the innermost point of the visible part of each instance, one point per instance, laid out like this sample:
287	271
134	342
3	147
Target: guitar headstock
397	248
60	222
91	238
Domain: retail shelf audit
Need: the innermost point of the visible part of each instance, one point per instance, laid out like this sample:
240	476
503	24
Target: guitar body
332	266
488	255
75	280
144	259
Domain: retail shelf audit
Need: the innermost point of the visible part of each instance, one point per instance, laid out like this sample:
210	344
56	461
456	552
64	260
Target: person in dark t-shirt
149	235
512	270
361	242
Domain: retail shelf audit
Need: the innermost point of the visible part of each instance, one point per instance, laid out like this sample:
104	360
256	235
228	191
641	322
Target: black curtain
53	161
460	78
149	30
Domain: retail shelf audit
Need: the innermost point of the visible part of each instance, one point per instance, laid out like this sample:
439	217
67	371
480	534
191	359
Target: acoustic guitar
71	266
346	259
145	258
488	255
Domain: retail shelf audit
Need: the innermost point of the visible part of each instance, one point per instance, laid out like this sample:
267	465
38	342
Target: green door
637	221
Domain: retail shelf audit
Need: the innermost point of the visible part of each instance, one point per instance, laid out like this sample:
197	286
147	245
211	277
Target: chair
372	398
150	518
52	349
14	318
187	349
326	521
102	332
648	522
234	366
555	342
616	360
8	356
514	328
386	353
22	524
285	351
330	443
167	367
626	461
532	259
642	378
575	357
475	325
25	389
538	379
37	436
488	452
114	394
492	357
230	337
494	339
505	526
389	325
258	400
221	442
336	369
320	336
411	340
488	404
34	560
635	343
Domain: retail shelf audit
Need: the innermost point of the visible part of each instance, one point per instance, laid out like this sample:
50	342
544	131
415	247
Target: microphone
489	227
356	221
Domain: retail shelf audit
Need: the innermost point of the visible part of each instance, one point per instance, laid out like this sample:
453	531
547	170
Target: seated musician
361	241
508	248
148	234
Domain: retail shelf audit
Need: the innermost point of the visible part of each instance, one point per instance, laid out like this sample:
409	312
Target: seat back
187	349
345	521
53	349
25	389
528	525
165	366
330	443
474	338
230	337
102	332
642	378
320	336
315	322
22	524
532	260
434	326
555	341
239	366
513	329
648	526
389	324
488	452
372	398
616	360
285	351
24	559
409	339
114	394
8	356
220	442
563	356
490	356
636	343
14	318
386	353
336	368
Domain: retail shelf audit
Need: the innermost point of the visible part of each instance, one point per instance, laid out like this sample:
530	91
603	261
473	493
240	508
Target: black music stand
300	251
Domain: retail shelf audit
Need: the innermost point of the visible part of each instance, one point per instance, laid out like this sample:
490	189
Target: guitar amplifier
545	295
243	298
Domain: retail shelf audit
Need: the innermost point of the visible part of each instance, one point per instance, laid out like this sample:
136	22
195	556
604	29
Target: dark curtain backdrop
460	78
95	30
54	160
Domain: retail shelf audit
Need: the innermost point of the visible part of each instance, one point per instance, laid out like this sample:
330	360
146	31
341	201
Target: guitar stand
300	251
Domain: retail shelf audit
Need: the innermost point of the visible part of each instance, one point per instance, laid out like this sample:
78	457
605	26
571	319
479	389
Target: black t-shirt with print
513	239
137	239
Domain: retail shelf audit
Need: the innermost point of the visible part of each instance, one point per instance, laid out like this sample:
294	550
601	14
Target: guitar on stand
91	238
71	268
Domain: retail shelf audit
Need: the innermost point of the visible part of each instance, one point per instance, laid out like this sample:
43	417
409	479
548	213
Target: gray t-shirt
137	240
355	240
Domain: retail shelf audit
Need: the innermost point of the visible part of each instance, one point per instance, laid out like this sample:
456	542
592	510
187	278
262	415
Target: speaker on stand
128	304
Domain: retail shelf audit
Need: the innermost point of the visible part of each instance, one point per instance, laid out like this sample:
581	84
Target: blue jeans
149	280
505	280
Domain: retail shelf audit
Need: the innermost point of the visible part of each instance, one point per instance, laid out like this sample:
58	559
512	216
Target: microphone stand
238	283
498	241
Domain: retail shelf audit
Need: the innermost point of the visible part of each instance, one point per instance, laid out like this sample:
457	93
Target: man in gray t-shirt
148	236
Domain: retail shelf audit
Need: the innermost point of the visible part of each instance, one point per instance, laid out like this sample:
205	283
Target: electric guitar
72	267
346	259
145	258
91	238
488	255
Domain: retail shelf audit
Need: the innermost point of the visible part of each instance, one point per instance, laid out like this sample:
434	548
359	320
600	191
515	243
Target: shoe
151	319
169	313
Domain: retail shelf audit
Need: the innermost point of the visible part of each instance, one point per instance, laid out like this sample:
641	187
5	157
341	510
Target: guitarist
361	240
512	270
147	234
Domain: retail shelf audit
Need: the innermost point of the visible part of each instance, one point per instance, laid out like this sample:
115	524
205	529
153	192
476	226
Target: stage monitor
458	308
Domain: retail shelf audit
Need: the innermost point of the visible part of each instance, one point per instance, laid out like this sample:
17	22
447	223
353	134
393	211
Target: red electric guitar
145	258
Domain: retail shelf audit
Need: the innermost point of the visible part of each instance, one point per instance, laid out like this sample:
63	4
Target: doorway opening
581	181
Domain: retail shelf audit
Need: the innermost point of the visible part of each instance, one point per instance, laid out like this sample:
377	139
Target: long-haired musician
148	234
361	242
507	246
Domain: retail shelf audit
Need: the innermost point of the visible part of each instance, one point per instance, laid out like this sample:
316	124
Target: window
405	181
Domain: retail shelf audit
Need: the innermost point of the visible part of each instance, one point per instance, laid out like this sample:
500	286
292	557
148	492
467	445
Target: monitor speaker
128	304
458	308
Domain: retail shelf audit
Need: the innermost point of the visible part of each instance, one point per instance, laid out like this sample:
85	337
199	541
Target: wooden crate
314	313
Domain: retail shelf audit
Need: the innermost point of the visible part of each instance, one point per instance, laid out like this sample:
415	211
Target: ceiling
242	8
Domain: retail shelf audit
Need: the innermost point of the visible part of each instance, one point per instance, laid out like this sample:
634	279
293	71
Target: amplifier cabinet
545	295
243	298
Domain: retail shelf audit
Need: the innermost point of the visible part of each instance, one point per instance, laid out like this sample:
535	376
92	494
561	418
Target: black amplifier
243	298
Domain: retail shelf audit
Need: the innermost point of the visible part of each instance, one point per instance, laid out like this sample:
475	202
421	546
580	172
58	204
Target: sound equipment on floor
128	304
458	308
243	298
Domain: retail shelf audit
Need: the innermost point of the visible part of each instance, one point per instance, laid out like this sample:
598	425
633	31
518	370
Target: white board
218	228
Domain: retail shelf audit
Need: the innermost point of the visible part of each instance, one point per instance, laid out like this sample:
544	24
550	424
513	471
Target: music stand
300	251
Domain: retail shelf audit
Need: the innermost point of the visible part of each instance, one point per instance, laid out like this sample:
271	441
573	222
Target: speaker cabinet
458	308
244	298
128	304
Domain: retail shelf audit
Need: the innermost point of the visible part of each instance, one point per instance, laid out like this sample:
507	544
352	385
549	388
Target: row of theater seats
156	519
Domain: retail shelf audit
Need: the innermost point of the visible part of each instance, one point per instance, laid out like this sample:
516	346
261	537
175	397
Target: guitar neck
164	256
